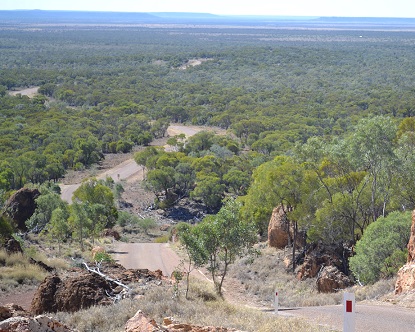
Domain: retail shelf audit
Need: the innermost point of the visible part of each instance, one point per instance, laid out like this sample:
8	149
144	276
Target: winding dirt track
152	256
129	168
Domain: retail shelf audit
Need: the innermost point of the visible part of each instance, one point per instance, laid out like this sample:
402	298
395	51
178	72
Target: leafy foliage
219	239
382	248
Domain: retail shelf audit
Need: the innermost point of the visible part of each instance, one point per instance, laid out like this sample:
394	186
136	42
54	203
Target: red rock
36	324
141	323
406	274
278	229
331	279
11	310
21	206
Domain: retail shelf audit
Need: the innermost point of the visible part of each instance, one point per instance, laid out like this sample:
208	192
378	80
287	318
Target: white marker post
276	302
349	312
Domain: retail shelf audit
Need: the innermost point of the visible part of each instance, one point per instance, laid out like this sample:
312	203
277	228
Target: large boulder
21	206
36	324
319	255
141	323
406	274
72	294
331	279
80	289
279	229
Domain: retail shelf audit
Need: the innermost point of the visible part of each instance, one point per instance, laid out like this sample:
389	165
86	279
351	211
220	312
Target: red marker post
276	302
349	312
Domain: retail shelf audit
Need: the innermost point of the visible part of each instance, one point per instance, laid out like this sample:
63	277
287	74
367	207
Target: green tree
79	222
209	190
58	227
381	240
196	254
6	229
224	236
98	201
372	149
46	203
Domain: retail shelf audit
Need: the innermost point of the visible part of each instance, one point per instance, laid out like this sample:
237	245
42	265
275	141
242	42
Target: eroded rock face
81	289
331	279
278	229
141	323
319	255
406	274
36	324
21	206
411	243
12	310
71	294
406	278
13	246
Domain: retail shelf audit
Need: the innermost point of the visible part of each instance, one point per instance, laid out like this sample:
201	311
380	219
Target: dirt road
123	171
129	168
152	256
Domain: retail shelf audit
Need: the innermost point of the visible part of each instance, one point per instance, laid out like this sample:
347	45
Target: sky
345	8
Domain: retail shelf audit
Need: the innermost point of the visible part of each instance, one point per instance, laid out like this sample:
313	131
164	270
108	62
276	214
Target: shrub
162	239
146	224
103	257
383	243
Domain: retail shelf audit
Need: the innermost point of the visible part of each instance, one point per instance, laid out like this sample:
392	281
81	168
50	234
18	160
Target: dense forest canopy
304	105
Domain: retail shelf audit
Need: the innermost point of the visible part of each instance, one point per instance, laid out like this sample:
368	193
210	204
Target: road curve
129	168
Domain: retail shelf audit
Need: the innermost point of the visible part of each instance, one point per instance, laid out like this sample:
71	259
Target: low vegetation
260	277
203	308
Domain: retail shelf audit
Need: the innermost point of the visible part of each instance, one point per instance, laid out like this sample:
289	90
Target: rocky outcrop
279	229
411	243
406	278
71	294
36	324
109	232
21	206
329	263
12	310
12	246
141	323
331	279
406	274
81	289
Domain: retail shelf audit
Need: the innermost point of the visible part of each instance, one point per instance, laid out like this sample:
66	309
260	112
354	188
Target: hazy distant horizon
295	8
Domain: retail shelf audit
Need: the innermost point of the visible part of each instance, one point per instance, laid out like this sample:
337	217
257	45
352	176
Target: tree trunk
294	243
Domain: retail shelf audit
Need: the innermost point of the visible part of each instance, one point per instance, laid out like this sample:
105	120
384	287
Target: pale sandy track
152	256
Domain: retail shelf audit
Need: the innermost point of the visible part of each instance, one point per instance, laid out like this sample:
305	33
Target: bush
146	224
103	257
381	250
125	218
6	229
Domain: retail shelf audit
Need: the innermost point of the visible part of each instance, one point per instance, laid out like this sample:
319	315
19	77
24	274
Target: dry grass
158	303
268	272
16	270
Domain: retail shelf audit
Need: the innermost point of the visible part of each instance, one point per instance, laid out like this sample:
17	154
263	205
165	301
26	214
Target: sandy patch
30	92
